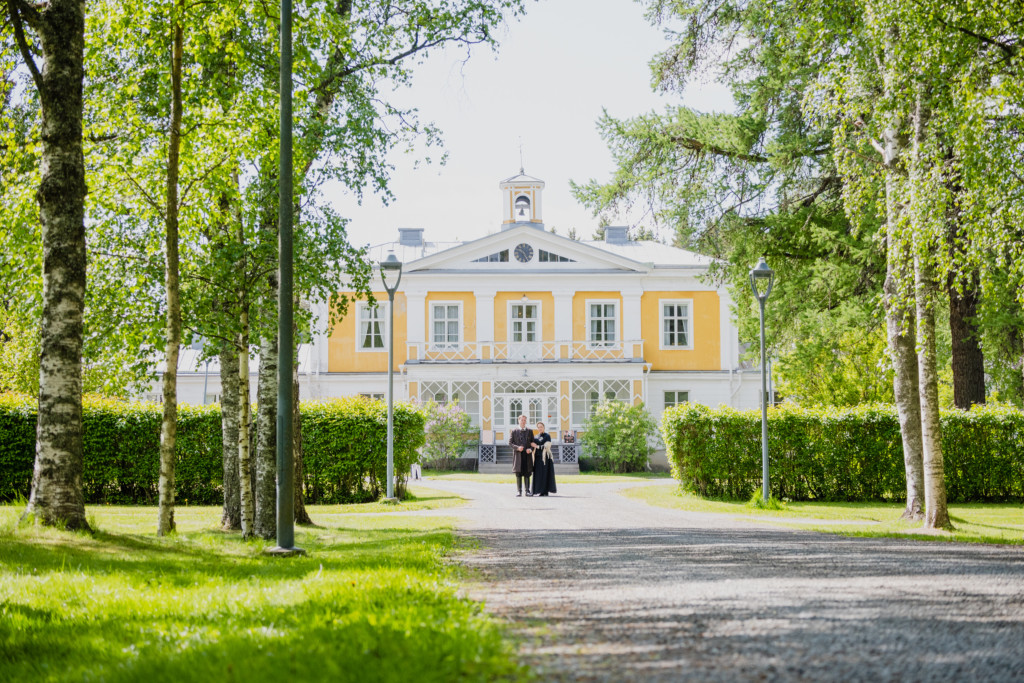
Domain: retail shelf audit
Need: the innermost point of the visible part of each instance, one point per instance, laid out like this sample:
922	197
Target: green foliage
373	601
840	454
447	429
344	447
618	436
758	502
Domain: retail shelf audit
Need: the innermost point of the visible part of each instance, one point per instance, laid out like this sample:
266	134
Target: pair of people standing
531	455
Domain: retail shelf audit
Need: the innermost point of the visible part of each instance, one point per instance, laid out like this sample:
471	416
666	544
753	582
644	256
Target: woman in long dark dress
543	464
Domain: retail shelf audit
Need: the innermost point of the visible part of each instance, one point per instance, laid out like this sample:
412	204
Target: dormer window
522	208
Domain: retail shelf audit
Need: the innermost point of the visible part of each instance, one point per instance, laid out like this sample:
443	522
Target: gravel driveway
604	588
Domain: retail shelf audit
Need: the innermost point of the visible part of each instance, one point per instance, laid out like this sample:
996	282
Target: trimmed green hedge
840	454
344	447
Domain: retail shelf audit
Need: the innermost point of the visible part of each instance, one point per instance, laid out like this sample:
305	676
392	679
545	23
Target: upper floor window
445	325
675	325
602	322
372	327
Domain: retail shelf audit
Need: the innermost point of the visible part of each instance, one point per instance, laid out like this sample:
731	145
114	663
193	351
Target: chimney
616	234
410	237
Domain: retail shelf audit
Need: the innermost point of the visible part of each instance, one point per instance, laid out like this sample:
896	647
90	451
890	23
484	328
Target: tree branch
16	8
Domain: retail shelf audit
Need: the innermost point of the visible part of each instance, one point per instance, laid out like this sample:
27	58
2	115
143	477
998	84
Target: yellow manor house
527	321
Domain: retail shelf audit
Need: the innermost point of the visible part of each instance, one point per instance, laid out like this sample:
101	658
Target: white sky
553	72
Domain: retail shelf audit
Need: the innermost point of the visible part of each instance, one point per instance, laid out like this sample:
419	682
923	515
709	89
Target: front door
524	337
536	407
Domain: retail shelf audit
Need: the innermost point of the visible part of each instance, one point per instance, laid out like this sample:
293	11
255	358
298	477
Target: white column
728	334
485	315
631	318
415	319
563	314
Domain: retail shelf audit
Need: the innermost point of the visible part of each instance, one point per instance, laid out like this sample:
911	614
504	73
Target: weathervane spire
521	166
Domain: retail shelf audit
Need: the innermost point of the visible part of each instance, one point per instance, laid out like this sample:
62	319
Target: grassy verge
588	478
373	601
973	522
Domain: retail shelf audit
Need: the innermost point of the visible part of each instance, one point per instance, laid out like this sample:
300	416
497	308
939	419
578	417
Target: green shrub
344	447
837	454
447	434
617	436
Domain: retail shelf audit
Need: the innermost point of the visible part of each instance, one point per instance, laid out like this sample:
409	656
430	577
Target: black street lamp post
391	266
764	276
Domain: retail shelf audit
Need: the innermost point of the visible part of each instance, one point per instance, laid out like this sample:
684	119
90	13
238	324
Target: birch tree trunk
266	427
936	514
301	515
244	464
900	331
56	497
169	425
231	516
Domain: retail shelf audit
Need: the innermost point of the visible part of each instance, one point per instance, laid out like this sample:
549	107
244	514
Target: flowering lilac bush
447	434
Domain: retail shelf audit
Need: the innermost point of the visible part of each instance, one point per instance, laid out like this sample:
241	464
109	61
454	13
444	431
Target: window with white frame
372	327
602	322
445	325
675	324
373	396
675	398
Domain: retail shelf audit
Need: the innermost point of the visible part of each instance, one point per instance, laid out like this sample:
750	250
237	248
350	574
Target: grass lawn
373	601
973	522
588	478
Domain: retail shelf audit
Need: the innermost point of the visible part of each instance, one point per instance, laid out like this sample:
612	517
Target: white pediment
525	248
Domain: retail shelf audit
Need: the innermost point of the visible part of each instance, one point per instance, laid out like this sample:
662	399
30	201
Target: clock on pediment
524	253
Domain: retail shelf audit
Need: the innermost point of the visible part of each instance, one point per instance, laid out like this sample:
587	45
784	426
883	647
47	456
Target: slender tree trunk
231	516
968	358
900	323
56	497
301	515
244	463
266	429
936	514
169	426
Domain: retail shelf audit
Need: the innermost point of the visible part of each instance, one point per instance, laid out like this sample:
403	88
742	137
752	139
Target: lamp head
762	276
391	266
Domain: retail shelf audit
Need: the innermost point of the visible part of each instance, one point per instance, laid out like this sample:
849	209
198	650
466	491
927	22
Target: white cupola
521	199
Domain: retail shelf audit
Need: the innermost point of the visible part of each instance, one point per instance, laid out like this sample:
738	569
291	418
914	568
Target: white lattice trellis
445	391
587	393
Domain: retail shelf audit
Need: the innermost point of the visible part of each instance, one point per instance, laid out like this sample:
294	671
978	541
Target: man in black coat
521	441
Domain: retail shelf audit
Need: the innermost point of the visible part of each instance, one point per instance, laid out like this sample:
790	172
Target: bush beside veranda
616	436
840	454
344	447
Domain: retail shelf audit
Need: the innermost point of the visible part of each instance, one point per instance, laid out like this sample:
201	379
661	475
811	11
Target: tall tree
169	425
59	28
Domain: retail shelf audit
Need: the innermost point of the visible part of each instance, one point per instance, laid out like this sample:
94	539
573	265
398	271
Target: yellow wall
341	343
705	332
547	313
579	313
468	301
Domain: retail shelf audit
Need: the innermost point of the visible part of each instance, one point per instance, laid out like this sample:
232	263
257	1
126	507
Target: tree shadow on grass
365	605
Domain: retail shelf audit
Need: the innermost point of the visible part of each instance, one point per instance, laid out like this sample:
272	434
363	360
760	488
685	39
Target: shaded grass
588	478
1000	523
373	601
